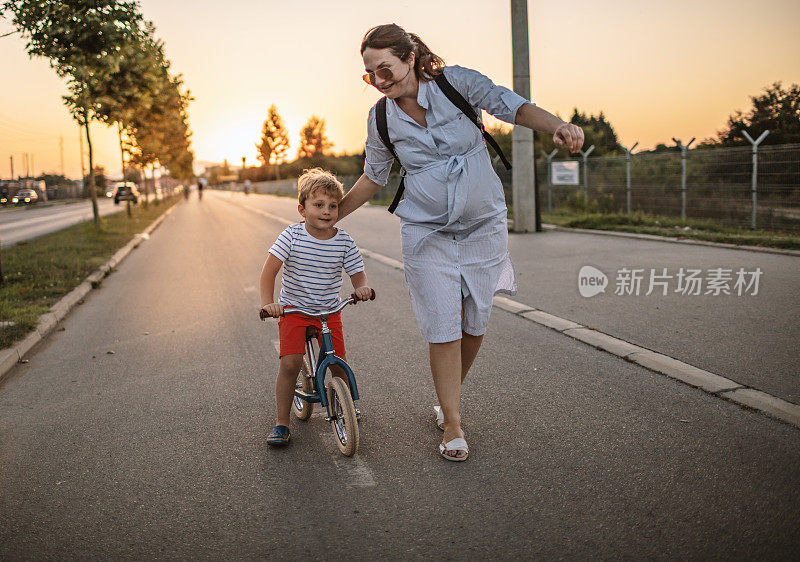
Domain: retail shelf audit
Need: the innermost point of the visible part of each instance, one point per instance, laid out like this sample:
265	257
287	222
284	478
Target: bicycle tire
302	409
344	424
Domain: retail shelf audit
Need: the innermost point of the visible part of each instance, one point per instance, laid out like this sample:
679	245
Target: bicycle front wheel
300	407
344	423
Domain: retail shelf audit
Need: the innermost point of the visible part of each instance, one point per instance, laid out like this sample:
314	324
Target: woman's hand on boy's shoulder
273	309
363	293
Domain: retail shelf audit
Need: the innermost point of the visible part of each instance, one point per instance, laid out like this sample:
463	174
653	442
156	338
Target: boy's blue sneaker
280	436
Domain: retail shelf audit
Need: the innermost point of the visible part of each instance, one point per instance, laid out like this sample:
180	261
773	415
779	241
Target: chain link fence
734	186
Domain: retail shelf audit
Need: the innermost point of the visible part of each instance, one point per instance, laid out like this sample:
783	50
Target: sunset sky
656	69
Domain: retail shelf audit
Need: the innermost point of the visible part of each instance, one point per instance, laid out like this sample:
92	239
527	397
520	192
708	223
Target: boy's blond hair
318	180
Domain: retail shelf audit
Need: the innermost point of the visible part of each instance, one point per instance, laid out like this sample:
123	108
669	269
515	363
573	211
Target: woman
453	216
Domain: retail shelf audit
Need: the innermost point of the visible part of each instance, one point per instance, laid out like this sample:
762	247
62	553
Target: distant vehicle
25	197
126	191
4	196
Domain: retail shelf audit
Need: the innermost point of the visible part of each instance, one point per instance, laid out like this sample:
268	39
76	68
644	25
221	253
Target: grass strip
673	227
41	271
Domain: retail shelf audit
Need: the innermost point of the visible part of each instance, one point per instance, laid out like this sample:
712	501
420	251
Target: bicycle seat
312	332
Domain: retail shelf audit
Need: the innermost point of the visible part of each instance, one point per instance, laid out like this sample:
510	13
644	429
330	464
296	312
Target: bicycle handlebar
324	314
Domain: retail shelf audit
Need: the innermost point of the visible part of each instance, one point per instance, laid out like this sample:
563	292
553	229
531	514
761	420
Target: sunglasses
382	73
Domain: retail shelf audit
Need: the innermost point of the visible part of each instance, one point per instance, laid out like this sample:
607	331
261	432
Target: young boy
313	254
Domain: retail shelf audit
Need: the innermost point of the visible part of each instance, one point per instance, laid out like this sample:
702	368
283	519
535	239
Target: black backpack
458	100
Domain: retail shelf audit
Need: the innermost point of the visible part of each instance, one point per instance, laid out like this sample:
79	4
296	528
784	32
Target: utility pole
523	174
12	166
61	151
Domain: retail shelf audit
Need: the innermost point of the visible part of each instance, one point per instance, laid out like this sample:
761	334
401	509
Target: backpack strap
383	131
458	100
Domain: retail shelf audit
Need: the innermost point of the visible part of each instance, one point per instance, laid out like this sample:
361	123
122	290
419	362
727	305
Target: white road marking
277	345
356	470
250	289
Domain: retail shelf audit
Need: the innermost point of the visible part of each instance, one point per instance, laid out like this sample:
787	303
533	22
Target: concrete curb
764	402
707	381
48	321
653	237
683	372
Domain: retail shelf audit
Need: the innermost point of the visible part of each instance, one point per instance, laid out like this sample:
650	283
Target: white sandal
439	417
457	444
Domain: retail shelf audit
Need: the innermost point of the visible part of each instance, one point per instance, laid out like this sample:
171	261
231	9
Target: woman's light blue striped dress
453	216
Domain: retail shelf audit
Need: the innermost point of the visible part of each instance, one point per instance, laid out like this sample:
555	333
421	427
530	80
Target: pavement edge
689	241
48	321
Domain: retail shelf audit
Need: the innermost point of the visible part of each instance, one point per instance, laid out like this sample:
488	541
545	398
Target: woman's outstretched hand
570	136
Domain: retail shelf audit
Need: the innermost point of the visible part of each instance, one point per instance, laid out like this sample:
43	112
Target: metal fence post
754	182
549	157
684	150
628	174
586	174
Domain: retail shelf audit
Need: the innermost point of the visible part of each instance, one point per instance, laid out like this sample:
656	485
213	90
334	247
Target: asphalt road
24	223
157	450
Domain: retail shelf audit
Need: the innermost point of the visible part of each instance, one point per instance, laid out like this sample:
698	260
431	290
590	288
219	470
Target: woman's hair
318	180
427	66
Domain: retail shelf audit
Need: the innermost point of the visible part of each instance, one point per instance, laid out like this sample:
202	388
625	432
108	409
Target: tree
274	140
83	41
597	131
313	141
129	90
776	110
158	130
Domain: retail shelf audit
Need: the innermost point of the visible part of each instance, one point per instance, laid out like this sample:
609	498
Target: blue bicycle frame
321	364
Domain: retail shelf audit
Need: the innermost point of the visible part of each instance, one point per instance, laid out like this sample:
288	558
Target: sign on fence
564	173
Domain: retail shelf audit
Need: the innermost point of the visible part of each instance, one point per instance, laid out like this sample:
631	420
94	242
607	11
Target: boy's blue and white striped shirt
312	268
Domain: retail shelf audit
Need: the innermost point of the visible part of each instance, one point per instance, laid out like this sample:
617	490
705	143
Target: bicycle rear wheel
344	423
300	407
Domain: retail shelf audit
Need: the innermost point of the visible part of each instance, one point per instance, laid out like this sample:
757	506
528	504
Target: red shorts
292	332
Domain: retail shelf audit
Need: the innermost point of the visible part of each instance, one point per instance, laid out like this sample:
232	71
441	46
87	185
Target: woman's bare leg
469	349
446	370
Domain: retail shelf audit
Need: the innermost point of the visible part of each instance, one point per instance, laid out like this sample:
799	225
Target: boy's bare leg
469	350
284	386
446	370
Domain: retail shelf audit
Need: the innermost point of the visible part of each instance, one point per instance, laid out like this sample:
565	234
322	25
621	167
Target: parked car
5	197
25	197
126	192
